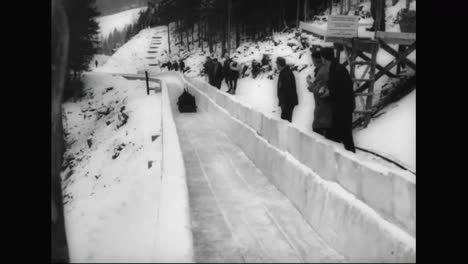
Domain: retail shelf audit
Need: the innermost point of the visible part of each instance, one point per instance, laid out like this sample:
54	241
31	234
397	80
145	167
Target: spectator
340	86
235	70
182	66
318	86
244	70
207	69
217	73
255	68
265	60
227	71
175	66
95	61
375	5
286	90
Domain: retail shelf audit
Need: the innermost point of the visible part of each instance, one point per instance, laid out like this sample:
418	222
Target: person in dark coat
342	96
255	68
375	5
235	69
207	69
95	61
217	73
182	66
323	106
286	90
227	71
175	66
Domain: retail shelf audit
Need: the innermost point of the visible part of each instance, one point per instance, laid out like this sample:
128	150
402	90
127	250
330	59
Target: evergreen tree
128	32
83	34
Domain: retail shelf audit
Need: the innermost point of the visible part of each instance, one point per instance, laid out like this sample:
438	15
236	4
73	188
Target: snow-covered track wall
365	213
174	236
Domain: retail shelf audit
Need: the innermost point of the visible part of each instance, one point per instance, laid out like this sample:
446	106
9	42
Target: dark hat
281	61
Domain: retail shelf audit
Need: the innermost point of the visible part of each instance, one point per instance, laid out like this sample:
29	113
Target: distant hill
109	7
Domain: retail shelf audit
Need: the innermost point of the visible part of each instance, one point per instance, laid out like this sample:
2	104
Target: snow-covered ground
110	193
394	132
100	58
118	21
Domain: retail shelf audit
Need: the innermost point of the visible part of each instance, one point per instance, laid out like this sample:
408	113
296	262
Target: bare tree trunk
298	2
210	39
305	10
200	35
223	34
279	14
228	26
187	35
181	37
237	34
283	14
169	37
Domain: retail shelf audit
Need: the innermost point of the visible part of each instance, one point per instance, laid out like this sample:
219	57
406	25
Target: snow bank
110	190
354	224
125	202
396	127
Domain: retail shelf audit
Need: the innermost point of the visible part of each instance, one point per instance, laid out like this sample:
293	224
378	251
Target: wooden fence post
147	85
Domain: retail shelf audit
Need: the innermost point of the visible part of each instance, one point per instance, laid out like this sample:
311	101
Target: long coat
207	67
227	69
342	95
217	73
323	113
341	89
286	90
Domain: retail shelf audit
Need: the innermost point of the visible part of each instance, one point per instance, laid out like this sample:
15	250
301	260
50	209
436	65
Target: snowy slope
110	194
133	56
393	133
118	21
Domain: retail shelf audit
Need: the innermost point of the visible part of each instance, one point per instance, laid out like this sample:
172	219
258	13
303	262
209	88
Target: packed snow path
237	214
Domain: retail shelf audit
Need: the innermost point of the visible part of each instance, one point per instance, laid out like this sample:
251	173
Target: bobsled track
256	189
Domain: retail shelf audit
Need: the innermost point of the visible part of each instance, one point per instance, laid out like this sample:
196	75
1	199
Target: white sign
342	27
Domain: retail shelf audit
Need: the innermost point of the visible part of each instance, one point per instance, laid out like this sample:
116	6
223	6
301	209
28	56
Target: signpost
341	27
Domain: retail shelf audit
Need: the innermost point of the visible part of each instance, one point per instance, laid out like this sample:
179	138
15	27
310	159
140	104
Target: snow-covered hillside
118	21
110	190
133	56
